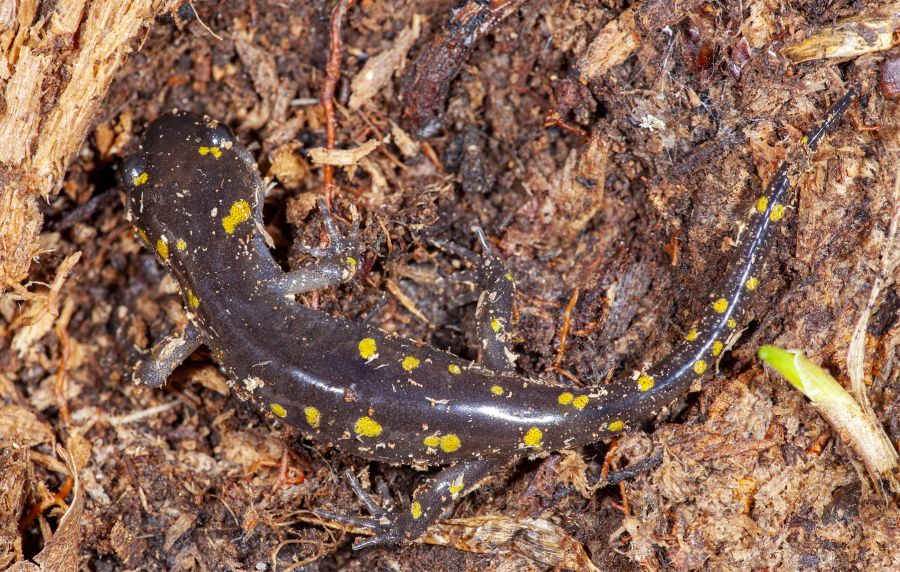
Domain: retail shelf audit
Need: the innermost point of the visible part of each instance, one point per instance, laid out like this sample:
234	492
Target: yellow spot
732	324
752	283
181	244
777	212
804	140
717	347
432	441
278	410
142	234
416	510
508	276
239	212
495	325
580	401
410	363
140	179
456	486
699	366
645	382
193	300
367	427
162	247
497	390
215	151
351	263
692	335
616	426
313	417
720	305
450	443
533	438
761	204
367	348
454	369
565	398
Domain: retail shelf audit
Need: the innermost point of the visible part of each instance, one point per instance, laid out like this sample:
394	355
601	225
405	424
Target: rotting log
56	63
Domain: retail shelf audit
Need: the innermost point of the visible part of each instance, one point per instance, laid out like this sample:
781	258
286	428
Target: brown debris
654	15
275	96
890	77
527	543
573	196
425	88
61	552
612	46
20	428
342	157
35	321
288	166
16	476
375	76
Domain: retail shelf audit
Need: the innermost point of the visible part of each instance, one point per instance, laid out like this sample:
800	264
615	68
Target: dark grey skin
195	196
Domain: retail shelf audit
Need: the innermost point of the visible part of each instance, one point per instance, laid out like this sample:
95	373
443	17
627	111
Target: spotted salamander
195	197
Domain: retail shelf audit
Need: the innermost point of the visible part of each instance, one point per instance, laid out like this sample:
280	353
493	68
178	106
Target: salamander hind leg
333	264
166	356
493	315
428	503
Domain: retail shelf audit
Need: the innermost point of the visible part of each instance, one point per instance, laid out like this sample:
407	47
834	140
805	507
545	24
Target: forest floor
608	171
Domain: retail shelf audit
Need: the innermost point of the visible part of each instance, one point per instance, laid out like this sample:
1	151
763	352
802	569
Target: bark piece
52	87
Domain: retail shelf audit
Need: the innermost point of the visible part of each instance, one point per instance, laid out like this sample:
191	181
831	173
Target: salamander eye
221	136
134	173
218	134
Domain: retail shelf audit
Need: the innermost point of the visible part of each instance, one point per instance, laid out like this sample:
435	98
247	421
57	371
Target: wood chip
61	552
612	46
342	157
849	38
288	166
408	147
20	428
376	74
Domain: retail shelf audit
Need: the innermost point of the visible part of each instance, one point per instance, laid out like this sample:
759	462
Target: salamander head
191	184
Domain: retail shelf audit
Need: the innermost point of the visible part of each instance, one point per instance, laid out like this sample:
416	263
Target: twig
142	414
332	75
564	331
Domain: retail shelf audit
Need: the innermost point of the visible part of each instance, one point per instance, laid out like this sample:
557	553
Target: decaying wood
375	76
426	86
873	32
51	88
882	462
611	47
654	15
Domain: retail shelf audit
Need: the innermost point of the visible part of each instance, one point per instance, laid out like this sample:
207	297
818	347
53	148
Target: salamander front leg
166	356
333	264
429	501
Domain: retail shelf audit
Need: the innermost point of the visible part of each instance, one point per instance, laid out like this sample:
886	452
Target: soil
617	190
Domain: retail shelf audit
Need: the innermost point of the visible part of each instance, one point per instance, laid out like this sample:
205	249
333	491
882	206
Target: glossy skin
195	197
